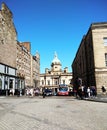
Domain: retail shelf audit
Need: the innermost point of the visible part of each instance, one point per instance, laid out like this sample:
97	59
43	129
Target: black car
48	92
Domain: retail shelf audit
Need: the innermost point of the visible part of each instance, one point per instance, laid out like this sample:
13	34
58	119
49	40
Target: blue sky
55	25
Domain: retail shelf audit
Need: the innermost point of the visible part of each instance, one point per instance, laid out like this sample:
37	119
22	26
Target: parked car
36	91
48	92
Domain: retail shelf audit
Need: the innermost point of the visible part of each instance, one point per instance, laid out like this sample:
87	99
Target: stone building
8	41
23	63
28	66
8	37
17	64
35	70
90	62
55	76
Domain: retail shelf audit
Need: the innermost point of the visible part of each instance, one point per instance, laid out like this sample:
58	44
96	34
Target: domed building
55	76
56	64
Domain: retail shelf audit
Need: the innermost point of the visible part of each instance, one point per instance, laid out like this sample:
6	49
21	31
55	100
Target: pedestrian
31	92
80	92
13	91
85	92
43	92
10	92
75	93
94	93
82	88
88	91
27	92
103	90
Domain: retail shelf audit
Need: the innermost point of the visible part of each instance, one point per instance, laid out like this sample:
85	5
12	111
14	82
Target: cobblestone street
51	113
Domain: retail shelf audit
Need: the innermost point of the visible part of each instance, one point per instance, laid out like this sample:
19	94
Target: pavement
51	113
98	98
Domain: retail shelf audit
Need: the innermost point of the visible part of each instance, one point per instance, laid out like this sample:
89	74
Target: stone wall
8	37
89	62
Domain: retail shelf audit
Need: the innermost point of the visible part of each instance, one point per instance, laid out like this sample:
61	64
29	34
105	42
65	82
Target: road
51	113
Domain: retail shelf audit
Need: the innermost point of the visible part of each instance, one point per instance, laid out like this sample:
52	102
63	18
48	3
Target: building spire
56	60
55	55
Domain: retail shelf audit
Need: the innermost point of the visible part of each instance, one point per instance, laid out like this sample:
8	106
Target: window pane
106	59
105	41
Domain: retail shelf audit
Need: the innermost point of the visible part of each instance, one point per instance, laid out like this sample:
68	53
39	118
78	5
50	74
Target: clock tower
56	64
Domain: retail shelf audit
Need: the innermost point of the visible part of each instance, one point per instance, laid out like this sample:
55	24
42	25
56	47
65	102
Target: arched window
42	82
48	82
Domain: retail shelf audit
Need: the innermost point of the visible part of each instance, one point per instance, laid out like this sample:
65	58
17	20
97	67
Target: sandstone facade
55	76
16	56
8	37
90	62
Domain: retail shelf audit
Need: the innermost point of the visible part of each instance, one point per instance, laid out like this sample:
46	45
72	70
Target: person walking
88	91
103	90
85	92
13	91
31	92
43	92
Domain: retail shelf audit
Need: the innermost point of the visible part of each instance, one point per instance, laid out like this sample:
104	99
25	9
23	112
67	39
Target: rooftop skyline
55	25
